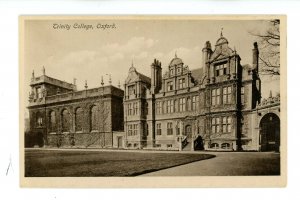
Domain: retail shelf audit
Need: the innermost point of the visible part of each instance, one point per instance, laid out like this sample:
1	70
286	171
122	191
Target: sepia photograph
153	101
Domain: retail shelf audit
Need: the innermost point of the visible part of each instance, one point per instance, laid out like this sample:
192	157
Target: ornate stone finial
85	85
44	70
175	54
32	76
74	81
109	81
270	95
222	32
119	84
102	83
30	97
132	63
44	92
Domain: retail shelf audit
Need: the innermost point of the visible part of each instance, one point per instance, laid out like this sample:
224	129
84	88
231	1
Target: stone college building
215	107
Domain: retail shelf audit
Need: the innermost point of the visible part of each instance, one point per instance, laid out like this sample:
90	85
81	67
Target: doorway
120	142
269	138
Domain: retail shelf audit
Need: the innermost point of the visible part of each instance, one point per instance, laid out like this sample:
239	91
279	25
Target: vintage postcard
153	101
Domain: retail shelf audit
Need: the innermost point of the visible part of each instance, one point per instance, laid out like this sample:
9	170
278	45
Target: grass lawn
46	163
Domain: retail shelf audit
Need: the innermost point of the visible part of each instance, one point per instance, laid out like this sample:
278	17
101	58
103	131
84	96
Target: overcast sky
89	54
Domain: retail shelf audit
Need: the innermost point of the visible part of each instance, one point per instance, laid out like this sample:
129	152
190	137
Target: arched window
94	118
65	120
52	121
78	119
39	120
225	146
214	146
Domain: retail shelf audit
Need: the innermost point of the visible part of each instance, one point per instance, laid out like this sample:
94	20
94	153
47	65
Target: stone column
192	143
180	135
193	137
140	129
138	89
73	123
180	143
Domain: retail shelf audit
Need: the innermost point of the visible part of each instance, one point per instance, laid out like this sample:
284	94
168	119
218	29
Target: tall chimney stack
156	76
255	57
206	53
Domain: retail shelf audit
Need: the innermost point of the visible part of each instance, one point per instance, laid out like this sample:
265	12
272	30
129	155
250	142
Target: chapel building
61	116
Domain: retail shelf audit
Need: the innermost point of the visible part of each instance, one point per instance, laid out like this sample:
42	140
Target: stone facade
215	107
211	108
65	117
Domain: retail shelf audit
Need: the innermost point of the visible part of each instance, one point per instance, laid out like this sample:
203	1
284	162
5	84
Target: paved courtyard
228	164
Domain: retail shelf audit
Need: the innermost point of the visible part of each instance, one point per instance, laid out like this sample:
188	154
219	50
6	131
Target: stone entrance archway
269	137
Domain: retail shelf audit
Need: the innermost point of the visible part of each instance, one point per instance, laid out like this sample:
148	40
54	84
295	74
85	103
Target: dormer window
178	70
39	121
39	92
171	72
221	69
131	90
181	83
170	86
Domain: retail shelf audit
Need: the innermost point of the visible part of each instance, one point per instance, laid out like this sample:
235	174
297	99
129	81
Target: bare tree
269	47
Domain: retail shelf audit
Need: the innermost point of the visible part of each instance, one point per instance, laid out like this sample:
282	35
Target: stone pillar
125	132
234	145
138	88
206	145
180	143
140	129
73	123
193	137
192	143
181	128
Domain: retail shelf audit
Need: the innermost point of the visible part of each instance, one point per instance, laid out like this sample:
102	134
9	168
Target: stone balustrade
107	90
269	101
52	81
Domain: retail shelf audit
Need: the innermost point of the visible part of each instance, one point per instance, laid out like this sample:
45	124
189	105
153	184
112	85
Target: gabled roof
220	53
197	73
144	78
134	76
222	50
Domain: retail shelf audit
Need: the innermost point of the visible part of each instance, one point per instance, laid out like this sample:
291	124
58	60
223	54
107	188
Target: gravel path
228	164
